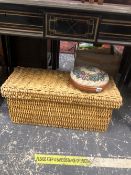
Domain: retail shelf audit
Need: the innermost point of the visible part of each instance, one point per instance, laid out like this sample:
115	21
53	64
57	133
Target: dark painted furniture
65	20
125	68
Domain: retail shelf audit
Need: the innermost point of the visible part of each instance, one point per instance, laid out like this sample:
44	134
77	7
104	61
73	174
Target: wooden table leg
125	68
55	47
58	52
128	77
7	53
45	54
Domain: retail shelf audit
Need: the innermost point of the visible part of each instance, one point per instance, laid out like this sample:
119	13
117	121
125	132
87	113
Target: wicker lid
49	85
89	78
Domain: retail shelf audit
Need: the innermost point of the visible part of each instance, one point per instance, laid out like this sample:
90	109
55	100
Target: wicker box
37	96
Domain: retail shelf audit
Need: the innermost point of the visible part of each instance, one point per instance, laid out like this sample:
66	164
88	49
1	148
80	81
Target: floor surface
19	144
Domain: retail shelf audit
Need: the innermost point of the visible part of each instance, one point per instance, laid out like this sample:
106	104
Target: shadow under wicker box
57	104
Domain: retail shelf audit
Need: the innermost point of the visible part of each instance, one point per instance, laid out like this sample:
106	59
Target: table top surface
73	4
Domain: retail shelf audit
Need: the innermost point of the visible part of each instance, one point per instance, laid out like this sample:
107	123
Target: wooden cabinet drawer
115	30
71	27
21	22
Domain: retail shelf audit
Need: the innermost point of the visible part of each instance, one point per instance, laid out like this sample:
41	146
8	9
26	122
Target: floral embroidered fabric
89	76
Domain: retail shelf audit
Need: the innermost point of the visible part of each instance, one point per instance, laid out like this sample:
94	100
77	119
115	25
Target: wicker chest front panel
59	115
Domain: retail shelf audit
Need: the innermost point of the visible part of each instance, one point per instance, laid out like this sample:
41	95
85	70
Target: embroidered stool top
89	78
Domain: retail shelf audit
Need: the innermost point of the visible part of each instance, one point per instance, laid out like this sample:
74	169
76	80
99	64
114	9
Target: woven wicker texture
37	96
58	109
29	83
59	115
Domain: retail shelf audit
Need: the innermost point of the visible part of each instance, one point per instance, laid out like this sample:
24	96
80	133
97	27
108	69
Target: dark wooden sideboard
66	20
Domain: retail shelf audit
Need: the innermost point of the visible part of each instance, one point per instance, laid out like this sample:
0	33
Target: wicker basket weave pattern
46	97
